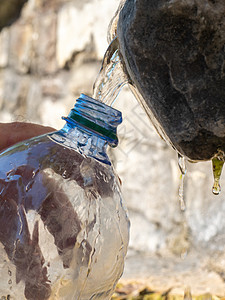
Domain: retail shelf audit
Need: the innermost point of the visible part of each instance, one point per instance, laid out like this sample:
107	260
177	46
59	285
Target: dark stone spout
174	54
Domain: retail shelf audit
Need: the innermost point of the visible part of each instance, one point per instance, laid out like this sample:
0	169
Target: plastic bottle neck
90	127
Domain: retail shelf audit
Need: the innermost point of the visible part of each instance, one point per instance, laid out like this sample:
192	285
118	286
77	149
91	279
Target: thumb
12	133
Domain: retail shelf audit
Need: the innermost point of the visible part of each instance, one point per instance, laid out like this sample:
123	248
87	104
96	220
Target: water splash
217	164
111	77
183	169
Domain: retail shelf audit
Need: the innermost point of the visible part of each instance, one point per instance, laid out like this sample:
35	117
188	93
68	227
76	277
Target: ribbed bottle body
63	225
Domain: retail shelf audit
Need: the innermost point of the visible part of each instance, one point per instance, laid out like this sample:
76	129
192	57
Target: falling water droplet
183	169
217	170
187	294
111	77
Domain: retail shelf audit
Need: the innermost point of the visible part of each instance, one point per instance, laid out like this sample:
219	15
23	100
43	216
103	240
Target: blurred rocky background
50	52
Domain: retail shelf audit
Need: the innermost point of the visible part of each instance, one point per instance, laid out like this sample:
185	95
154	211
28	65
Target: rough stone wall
48	57
51	54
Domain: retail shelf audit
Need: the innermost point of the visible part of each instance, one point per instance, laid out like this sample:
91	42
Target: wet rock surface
174	54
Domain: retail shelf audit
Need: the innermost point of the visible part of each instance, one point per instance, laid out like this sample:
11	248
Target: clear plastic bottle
64	229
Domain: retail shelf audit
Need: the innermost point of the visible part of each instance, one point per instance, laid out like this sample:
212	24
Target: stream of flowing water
111	77
108	85
183	170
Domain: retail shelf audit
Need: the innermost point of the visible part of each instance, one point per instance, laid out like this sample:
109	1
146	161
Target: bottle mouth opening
95	117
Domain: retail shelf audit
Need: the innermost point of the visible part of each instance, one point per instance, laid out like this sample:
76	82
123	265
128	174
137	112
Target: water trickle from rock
217	164
111	77
183	169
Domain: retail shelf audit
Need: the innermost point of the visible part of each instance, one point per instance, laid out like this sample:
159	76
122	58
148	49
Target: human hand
12	133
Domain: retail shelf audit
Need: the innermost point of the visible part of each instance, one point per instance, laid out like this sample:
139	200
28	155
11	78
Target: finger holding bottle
12	133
